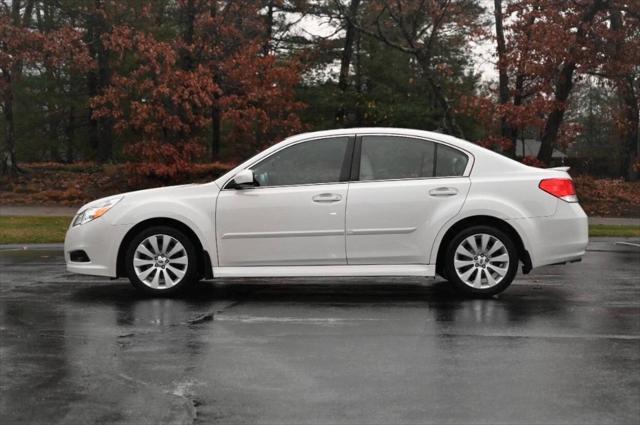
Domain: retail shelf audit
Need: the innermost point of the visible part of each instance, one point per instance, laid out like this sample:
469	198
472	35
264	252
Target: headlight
96	211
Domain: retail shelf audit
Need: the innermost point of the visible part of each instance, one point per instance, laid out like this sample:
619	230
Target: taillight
560	188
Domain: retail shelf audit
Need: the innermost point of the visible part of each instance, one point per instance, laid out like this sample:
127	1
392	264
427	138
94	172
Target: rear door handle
443	191
327	197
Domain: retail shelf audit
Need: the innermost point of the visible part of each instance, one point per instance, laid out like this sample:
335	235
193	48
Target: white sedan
350	202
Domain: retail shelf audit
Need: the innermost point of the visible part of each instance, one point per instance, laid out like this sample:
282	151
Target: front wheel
481	261
161	260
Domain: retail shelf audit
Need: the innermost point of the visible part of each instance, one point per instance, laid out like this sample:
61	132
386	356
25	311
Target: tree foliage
544	47
165	84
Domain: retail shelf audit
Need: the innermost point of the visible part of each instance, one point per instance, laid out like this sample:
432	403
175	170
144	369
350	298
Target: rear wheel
161	260
481	261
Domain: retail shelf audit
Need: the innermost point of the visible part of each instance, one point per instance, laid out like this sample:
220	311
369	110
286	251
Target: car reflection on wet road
561	346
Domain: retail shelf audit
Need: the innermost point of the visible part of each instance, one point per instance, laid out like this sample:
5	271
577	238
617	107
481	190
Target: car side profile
349	202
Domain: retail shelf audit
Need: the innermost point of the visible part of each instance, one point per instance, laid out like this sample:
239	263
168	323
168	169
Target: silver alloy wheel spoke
499	259
145	274
471	240
467	274
484	245
144	250
500	270
143	262
154	265
165	242
462	263
490	278
153	241
176	271
156	279
179	260
176	248
464	251
481	265
477	281
494	248
167	278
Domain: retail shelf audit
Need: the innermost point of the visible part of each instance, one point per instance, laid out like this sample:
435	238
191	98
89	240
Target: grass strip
28	229
613	230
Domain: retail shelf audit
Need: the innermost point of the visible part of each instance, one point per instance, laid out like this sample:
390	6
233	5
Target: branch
378	35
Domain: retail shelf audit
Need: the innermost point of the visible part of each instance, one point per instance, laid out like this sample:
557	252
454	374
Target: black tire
190	270
454	277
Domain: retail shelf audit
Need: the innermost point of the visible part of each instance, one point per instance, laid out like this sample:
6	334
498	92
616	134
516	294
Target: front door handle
443	191
327	197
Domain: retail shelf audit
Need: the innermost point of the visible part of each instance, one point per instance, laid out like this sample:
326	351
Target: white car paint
356	228
281	226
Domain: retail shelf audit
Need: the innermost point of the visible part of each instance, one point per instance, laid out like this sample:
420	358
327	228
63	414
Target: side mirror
243	178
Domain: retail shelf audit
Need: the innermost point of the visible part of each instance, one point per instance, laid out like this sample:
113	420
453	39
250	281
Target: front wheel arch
482	220
204	260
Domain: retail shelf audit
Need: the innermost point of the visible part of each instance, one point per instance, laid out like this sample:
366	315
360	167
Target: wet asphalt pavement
561	346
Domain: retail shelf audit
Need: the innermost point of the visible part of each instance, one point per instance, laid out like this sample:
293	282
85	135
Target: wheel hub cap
161	261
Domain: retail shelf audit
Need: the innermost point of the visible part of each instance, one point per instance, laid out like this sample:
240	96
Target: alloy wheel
160	261
481	261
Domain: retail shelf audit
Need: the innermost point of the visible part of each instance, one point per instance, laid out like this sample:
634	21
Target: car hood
138	195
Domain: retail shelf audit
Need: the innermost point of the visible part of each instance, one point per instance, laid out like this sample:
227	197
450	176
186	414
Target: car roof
491	163
433	135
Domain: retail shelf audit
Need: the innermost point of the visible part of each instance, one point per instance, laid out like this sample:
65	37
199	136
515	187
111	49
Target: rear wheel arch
204	260
485	220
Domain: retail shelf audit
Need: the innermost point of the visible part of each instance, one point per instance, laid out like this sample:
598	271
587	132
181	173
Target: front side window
396	157
312	162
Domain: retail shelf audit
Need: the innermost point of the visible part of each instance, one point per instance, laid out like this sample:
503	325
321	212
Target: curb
615	221
32	247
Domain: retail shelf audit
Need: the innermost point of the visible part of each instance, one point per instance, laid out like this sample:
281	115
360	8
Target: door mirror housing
243	179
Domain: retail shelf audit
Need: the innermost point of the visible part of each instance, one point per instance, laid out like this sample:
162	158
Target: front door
295	215
406	190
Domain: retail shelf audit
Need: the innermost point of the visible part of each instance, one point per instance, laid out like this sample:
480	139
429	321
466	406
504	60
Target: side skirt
320	271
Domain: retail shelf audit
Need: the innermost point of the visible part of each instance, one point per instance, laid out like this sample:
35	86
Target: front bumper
100	240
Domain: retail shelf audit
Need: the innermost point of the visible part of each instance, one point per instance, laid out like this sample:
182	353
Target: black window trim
345	171
355	173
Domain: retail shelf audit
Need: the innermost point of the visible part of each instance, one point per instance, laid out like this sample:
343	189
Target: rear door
403	190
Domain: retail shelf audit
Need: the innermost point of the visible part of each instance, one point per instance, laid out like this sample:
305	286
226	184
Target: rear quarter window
450	162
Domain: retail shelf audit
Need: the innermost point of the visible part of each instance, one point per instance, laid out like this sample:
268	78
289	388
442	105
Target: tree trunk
449	122
9	149
345	60
188	34
216	113
629	103
554	120
100	130
268	33
69	132
359	122
503	78
631	147
216	120
564	85
10	75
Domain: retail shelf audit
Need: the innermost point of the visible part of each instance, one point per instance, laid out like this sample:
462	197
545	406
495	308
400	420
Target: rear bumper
559	238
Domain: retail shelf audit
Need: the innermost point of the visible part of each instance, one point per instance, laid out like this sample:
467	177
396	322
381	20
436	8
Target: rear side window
315	161
396	157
